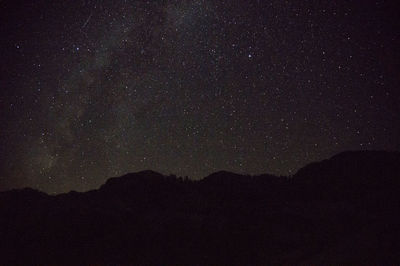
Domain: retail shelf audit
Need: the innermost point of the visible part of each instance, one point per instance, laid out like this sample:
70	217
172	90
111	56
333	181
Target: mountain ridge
341	210
150	174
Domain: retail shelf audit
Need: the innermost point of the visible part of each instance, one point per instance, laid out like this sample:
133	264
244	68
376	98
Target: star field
93	89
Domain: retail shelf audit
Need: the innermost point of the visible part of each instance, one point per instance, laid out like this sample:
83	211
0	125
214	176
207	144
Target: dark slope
338	211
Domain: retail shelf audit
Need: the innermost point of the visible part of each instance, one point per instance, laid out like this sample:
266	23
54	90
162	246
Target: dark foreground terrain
344	210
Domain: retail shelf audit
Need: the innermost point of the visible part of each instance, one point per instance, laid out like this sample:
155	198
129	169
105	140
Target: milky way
94	89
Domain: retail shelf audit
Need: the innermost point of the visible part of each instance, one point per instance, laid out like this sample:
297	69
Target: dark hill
344	210
351	175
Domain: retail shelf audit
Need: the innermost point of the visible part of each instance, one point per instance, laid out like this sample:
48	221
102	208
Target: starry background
92	89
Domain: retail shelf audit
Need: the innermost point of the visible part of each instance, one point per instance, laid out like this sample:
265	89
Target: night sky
92	89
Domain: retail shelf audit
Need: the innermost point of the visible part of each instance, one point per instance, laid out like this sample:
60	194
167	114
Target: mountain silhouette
344	210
